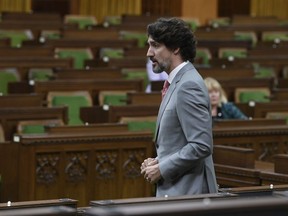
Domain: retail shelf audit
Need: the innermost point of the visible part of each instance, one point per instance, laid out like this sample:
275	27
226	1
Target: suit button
157	146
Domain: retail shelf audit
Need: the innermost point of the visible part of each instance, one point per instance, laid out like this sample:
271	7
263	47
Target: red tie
165	88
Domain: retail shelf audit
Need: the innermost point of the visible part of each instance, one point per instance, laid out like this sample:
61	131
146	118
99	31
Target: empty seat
37	126
141	37
275	36
74	100
38	74
16	36
83	21
245	95
106	53
277	115
203	56
79	55
227	53
7	76
141	123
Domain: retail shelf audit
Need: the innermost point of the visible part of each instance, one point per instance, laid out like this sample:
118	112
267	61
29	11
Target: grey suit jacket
183	139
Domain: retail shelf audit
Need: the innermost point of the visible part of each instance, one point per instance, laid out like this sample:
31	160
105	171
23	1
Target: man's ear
176	51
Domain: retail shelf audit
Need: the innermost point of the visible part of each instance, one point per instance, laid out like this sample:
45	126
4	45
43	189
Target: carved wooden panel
84	166
47	175
76	167
266	141
47	168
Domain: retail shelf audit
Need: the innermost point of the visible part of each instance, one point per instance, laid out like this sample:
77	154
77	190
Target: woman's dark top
229	111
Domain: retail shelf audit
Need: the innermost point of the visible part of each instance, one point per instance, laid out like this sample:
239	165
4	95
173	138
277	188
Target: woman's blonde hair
213	84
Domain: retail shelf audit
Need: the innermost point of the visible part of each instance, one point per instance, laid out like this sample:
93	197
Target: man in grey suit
183	138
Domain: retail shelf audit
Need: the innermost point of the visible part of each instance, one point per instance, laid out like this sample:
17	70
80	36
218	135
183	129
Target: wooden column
204	10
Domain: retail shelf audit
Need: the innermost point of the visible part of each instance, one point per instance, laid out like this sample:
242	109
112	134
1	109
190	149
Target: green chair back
192	22
246	36
78	55
51	34
234	53
256	96
112	20
33	129
40	74
203	56
37	126
277	115
265	72
283	22
116	99
220	21
142	126
274	36
140	123
141	37
74	103
131	73
16	37
111	53
82	21
5	78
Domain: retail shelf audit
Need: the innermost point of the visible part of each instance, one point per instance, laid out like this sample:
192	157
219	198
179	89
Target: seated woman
221	108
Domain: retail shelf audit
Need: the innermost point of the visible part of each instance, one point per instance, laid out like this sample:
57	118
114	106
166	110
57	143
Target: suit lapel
168	95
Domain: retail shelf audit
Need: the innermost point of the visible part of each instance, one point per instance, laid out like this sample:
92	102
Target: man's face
160	56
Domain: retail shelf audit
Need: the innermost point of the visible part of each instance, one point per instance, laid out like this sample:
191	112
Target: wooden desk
89	43
127	62
21	100
41	211
90	128
257	206
114	113
35	62
95	73
142	98
39	203
93	86
280	94
82	166
9	117
94	34
26	51
266	141
250	122
261	109
155	200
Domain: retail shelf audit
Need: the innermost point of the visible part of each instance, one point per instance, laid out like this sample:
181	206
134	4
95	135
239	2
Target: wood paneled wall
15	5
162	7
54	6
102	8
228	8
278	8
203	9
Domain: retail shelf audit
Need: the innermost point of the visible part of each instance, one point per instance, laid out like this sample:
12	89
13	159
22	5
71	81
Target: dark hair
174	33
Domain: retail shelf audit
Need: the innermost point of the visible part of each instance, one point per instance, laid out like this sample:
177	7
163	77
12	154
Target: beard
158	68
